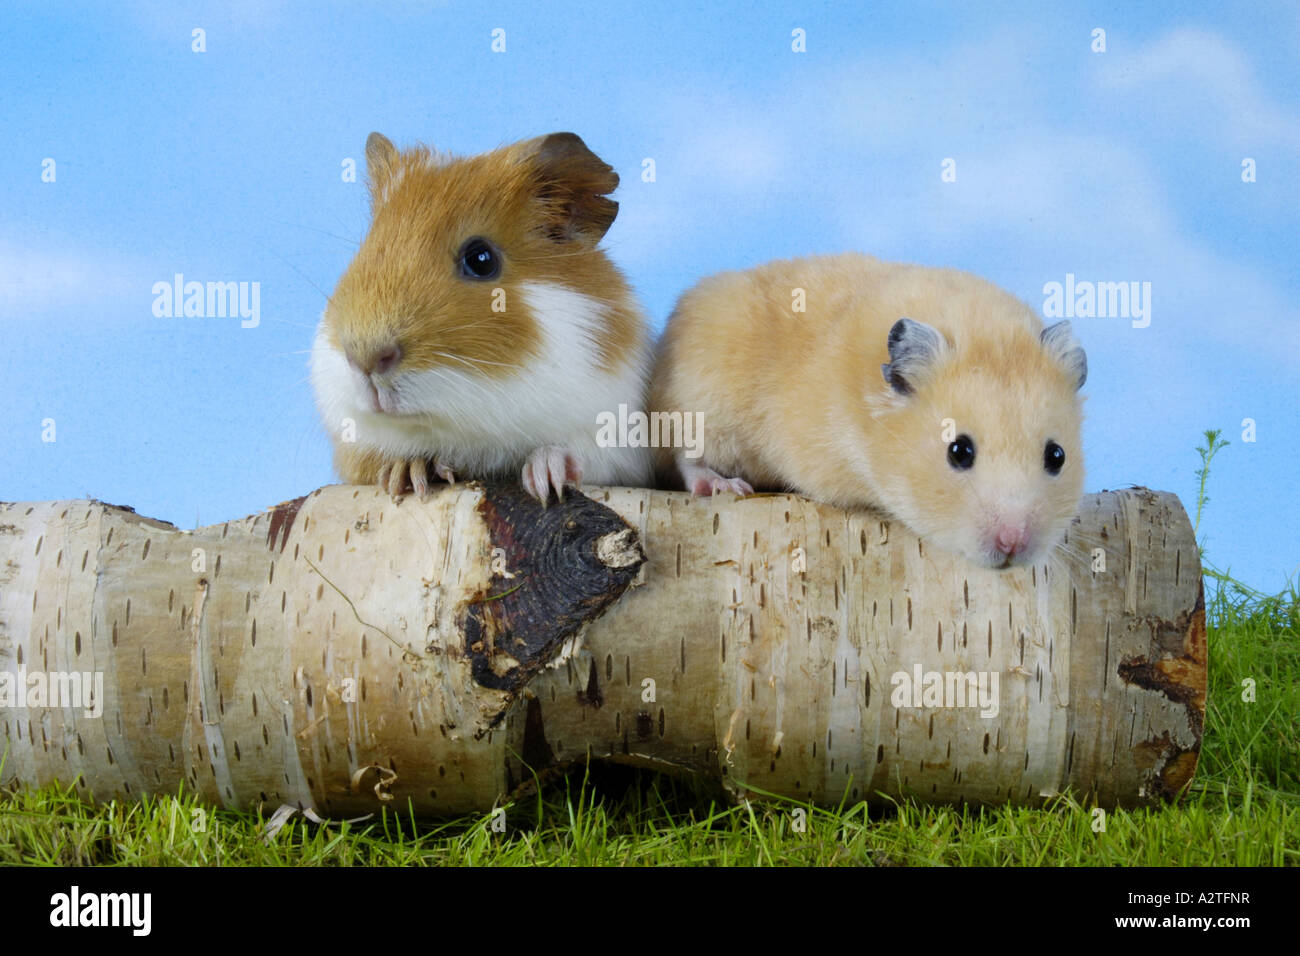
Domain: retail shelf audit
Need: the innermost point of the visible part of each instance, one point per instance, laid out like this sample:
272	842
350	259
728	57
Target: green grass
1243	808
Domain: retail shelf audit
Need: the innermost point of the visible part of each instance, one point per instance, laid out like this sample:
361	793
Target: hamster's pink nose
1011	538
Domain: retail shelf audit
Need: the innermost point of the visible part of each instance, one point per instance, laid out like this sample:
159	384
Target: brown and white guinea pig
479	331
970	437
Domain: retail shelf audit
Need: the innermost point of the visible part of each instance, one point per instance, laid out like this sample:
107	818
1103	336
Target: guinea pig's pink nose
1012	538
387	359
378	361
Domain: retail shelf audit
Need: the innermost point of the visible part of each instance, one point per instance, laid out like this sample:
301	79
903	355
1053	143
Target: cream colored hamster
928	394
479	330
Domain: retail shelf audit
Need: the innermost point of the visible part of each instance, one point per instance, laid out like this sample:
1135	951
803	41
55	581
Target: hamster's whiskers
1070	558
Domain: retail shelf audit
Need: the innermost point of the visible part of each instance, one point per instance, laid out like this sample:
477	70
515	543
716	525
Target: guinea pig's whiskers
328	299
296	325
555	255
462	328
293	388
474	363
323	232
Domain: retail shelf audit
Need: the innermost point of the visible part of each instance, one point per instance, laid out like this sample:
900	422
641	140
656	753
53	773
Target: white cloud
736	154
1053	194
1204	84
38	281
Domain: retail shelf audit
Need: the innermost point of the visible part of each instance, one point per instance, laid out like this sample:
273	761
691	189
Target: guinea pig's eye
961	452
478	260
1053	458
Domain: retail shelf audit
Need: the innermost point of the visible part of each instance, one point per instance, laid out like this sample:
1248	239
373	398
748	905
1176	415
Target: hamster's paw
550	466
703	482
412	474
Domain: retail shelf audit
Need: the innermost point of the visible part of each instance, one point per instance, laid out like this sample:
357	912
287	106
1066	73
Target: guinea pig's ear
1060	343
380	156
914	347
572	183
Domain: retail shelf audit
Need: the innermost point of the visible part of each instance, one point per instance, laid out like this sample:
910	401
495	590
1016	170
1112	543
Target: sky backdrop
1128	165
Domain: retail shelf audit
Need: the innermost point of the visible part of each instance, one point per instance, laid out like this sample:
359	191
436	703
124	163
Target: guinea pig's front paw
550	466
412	474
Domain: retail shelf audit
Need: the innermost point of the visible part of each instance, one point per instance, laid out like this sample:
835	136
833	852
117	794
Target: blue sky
225	166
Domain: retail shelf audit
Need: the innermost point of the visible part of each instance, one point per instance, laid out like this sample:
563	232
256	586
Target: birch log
344	651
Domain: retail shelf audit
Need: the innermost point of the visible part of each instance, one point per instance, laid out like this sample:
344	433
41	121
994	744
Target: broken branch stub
344	651
566	564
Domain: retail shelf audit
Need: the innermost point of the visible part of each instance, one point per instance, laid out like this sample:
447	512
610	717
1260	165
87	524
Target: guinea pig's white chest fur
479	424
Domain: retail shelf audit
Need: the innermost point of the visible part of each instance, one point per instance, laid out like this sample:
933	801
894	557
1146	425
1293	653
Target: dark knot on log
555	569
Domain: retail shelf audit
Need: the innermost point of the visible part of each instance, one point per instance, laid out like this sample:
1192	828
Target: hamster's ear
572	183
914	347
1060	343
380	154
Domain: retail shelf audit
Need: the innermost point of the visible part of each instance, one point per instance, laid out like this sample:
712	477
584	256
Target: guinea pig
479	331
928	394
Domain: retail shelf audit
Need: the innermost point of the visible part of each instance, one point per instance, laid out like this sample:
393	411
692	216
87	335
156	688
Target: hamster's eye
478	260
1053	458
961	452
